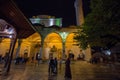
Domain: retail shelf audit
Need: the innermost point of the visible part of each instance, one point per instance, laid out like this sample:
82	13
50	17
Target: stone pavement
81	70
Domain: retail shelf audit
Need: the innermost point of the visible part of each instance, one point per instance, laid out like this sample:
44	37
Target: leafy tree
102	25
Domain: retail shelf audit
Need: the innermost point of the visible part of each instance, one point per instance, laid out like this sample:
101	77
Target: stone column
63	55
41	47
63	36
18	48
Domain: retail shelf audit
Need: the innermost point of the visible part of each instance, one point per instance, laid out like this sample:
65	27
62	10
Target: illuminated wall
4	46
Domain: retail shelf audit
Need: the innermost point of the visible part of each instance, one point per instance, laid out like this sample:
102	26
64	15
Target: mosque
49	38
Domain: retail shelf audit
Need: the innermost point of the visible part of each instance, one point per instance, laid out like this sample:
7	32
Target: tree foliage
102	25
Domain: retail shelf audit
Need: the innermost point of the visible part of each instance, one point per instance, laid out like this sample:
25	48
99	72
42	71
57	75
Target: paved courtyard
81	70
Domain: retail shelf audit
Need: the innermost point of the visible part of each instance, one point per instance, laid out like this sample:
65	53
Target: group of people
53	68
81	56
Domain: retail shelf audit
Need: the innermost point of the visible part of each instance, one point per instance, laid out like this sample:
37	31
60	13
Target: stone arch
70	45
34	43
53	41
76	50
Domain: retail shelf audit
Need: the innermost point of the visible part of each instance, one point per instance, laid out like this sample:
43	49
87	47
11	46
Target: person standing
55	66
51	66
60	63
68	69
37	59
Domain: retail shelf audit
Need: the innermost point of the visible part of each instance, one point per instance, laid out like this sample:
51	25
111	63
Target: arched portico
62	40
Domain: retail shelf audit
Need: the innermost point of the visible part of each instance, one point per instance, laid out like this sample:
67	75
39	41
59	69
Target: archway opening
53	46
71	47
33	43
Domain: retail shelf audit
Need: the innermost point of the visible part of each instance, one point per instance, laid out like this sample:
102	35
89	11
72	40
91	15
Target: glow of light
35	20
38	55
108	52
63	35
51	21
9	31
47	22
10	36
58	22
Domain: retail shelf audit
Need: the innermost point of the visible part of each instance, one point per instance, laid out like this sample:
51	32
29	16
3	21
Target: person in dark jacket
55	65
51	66
67	69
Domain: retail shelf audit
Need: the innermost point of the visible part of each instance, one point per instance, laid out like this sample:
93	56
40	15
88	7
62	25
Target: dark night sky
59	8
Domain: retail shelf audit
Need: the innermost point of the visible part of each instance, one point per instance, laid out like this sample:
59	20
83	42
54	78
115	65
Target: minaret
79	12
80	21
